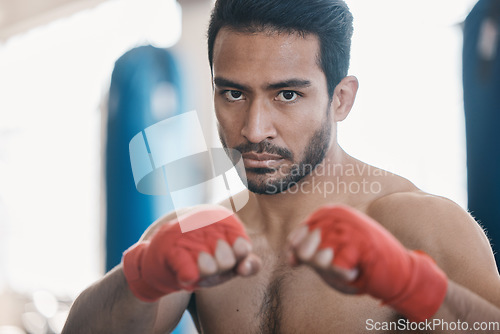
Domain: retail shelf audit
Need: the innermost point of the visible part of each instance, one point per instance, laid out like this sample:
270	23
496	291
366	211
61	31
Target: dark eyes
233	95
287	96
283	96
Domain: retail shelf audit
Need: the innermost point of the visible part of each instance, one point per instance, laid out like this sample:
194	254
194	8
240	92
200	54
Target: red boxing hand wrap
156	267
408	281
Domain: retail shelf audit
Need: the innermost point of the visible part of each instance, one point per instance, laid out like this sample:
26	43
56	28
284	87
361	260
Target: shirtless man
298	258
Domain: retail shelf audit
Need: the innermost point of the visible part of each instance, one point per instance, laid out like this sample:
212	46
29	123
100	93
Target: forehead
266	54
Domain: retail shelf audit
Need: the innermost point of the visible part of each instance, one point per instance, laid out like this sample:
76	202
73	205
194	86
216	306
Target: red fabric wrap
408	281
156	267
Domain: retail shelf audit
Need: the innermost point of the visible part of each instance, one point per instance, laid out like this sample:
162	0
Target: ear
343	97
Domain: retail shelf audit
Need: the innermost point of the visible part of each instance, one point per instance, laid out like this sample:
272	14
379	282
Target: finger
291	258
216	279
307	248
337	283
323	258
241	248
224	256
348	275
249	266
206	264
297	235
322	261
294	239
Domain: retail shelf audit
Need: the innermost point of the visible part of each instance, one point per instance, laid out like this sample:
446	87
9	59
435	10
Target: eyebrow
228	83
296	83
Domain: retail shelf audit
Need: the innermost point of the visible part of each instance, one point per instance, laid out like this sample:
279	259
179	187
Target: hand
354	253
172	261
304	249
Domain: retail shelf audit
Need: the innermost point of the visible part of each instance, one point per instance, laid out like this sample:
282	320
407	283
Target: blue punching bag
145	89
481	82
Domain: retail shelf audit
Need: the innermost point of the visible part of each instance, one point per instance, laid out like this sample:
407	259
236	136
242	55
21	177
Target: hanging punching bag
481	82
145	88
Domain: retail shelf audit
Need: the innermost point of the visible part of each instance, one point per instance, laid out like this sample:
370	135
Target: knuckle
206	264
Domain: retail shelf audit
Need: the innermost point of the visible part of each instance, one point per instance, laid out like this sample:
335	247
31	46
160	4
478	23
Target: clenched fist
355	254
172	261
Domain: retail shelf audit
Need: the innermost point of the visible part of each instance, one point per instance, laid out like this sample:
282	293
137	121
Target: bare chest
281	299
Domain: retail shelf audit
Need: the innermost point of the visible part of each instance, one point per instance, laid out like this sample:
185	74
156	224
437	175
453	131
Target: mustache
264	147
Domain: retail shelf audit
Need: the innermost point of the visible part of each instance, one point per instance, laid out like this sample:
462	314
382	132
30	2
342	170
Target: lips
261	160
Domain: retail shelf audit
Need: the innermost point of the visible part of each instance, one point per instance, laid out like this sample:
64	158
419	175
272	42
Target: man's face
272	105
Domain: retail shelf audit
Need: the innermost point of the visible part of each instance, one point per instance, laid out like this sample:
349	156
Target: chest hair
270	313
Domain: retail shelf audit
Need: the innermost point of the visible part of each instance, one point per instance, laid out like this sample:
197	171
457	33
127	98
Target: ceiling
17	16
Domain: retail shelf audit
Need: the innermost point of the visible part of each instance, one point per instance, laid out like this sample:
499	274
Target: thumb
249	266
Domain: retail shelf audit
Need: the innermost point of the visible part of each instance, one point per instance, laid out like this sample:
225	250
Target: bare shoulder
419	219
441	228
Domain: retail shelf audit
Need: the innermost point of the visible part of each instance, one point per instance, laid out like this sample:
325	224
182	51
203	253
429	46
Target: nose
259	124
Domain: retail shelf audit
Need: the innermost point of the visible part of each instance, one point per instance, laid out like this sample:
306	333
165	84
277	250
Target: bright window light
408	116
53	83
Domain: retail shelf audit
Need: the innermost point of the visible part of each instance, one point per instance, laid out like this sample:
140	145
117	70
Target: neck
278	214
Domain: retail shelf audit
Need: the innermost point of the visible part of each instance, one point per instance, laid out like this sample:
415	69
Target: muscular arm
147	293
466	306
354	253
108	307
459	246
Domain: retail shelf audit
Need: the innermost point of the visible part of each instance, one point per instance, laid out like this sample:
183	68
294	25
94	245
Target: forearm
109	307
466	306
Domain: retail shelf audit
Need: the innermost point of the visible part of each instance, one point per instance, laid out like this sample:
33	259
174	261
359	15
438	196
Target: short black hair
329	20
